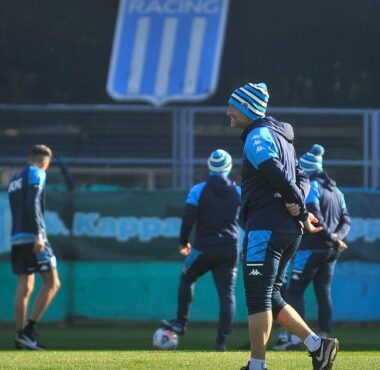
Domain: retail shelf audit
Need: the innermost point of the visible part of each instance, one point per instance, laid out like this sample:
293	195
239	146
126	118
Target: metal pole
182	150
175	149
191	140
375	150
366	150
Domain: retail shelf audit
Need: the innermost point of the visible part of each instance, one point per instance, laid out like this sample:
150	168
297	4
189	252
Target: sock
256	364
282	335
29	327
295	340
312	342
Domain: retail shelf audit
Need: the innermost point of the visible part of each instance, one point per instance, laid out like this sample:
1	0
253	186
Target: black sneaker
247	367
281	344
221	347
174	325
324	356
23	341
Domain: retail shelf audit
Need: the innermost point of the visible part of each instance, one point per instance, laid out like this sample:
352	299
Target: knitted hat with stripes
251	99
219	163
312	160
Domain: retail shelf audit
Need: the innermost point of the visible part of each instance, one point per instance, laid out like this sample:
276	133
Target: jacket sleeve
275	174
326	233
313	205
345	220
263	153
302	181
188	220
34	209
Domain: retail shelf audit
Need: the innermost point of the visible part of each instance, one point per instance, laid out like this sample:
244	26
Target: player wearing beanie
212	206
274	188
317	255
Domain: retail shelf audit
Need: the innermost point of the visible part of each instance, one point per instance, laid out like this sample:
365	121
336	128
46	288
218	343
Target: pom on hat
219	162
317	149
251	99
313	159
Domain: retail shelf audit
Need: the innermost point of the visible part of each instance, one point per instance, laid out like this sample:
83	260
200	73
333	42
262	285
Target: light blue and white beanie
313	159
219	163
251	99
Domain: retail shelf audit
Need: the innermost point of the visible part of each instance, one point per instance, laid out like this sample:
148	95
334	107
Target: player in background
31	251
212	206
317	255
274	188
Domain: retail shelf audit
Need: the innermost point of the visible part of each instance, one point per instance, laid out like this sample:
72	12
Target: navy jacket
271	176
26	198
213	206
327	203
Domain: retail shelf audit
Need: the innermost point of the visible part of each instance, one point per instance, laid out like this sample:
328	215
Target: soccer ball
165	339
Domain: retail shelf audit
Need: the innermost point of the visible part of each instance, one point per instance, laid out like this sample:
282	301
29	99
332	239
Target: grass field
129	347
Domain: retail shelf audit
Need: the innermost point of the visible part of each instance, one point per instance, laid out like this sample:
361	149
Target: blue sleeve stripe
238	190
342	201
314	195
260	146
36	176
195	193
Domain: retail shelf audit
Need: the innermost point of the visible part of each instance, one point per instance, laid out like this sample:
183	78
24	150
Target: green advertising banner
135	225
115	226
364	237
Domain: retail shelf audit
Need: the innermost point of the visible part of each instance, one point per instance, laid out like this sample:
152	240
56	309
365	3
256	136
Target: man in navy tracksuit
317	255
31	251
213	206
274	188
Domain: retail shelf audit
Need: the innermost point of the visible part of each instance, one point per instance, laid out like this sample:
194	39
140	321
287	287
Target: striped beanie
219	163
251	99
312	160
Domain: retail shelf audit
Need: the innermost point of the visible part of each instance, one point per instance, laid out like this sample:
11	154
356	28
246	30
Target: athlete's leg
195	265
25	286
224	275
51	285
322	287
305	265
263	256
46	265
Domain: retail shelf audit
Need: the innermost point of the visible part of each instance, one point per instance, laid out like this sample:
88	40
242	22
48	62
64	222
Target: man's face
45	163
237	118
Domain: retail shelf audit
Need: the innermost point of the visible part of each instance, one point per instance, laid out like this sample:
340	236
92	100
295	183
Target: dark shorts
25	262
266	255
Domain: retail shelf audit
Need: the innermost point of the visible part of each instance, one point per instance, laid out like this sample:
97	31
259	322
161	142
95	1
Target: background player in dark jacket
213	206
274	188
317	255
31	251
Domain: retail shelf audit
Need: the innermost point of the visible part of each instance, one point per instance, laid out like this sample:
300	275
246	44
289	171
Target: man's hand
293	209
309	224
185	250
342	245
39	245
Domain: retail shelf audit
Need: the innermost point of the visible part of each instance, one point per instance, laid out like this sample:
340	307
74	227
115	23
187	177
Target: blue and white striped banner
166	50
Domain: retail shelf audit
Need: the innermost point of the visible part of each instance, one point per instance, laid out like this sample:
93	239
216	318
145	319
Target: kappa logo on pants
254	272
